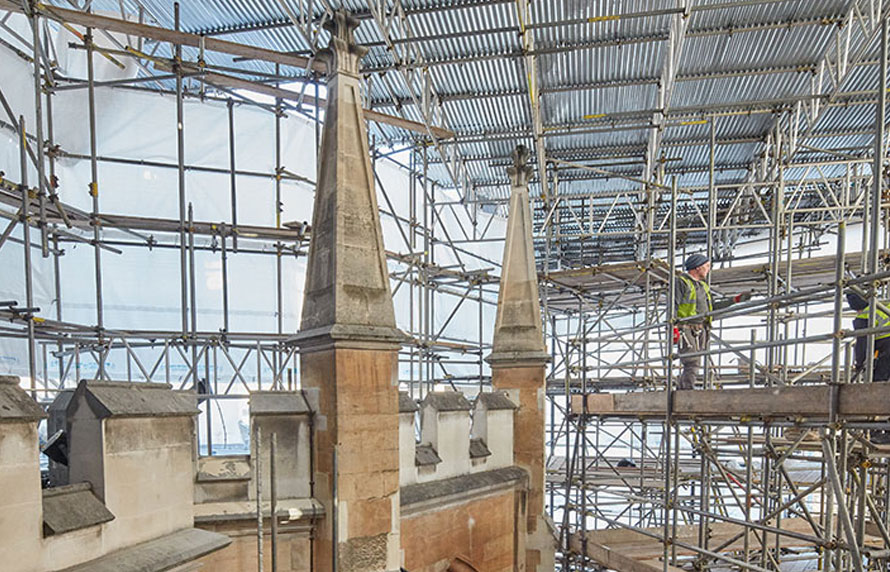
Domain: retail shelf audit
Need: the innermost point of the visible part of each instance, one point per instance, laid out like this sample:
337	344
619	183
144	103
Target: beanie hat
694	261
856	301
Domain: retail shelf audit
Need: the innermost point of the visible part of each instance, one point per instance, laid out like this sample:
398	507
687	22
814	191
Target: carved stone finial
520	172
343	53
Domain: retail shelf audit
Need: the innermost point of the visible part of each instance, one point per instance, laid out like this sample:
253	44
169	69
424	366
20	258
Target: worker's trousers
881	373
882	368
693	338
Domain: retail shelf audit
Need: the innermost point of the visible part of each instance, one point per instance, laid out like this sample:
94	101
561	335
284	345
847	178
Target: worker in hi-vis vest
692	299
881	371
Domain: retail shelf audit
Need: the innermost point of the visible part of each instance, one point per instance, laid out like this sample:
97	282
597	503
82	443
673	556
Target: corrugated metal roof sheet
599	66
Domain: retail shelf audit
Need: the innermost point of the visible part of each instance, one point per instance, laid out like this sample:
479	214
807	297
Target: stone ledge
72	507
425	455
352	336
158	555
516	359
418	497
134	399
478	448
15	404
287	510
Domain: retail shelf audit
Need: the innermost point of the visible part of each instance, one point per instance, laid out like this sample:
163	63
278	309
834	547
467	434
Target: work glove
743	297
676	335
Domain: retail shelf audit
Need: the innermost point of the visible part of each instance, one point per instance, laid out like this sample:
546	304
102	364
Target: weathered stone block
134	443
285	415
445	425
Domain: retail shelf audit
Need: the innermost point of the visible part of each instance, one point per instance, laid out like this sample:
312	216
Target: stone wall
20	501
134	465
294	548
226	488
461	496
151	495
130	504
462	507
481	531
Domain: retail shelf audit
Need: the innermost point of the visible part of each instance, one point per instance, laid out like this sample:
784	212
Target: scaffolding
732	475
226	364
630	491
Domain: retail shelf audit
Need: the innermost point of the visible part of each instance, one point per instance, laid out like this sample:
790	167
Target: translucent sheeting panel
141	286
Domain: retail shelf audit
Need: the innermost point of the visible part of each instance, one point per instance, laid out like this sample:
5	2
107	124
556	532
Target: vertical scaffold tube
671	317
874	220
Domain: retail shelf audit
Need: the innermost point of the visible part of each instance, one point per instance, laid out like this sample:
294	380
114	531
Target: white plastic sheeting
141	287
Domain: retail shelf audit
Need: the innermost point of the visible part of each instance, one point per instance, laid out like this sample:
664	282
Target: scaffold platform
626	280
628	550
808	401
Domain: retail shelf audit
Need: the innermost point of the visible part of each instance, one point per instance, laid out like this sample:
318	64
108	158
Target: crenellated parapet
461	493
457	437
493	429
130	467
227	487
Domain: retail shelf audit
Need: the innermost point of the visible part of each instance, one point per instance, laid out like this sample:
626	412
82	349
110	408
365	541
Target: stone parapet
493	424
445	426
285	415
222	479
21	519
456	437
226	486
135	444
131	460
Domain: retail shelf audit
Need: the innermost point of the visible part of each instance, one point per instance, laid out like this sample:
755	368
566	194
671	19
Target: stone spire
518	335
349	342
347	294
